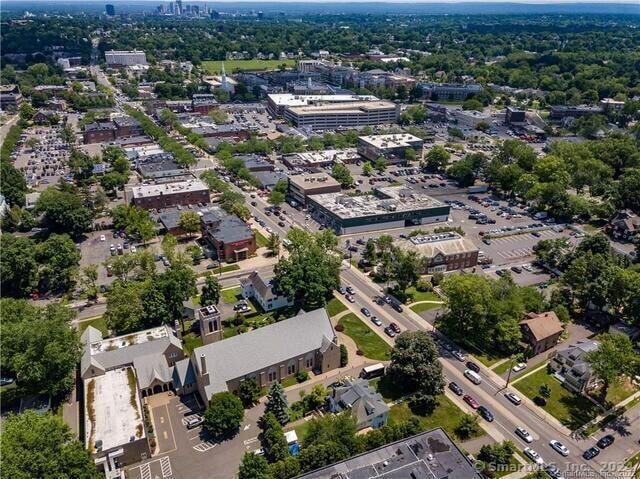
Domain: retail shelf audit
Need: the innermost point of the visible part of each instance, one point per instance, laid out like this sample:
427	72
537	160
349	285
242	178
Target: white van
472	376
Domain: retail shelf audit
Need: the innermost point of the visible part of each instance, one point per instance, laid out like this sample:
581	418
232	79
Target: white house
264	292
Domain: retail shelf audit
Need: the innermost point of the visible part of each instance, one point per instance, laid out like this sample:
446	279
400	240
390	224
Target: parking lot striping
165	466
186	419
145	471
204	446
250	441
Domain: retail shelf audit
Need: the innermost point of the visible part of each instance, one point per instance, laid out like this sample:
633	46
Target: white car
133	249
524	434
559	447
534	456
519	367
103	238
514	398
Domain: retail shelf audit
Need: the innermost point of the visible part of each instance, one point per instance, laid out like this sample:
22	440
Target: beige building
269	354
302	186
443	251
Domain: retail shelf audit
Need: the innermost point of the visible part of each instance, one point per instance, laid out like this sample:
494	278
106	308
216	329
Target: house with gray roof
264	291
272	353
366	405
571	366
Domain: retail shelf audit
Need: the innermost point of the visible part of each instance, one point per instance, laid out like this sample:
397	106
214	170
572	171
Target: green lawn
99	323
619	392
231	295
503	368
421	307
301	429
446	415
633	460
335	306
416	295
261	241
191	342
366	340
570	409
232	66
224	269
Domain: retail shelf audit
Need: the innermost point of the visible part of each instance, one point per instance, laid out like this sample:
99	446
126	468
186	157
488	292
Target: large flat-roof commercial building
443	251
318	159
277	103
268	354
343	115
449	91
124	58
560	112
303	186
428	455
169	194
10	97
393	147
389	207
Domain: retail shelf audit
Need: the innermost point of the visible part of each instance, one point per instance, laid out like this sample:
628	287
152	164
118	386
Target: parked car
458	355
533	455
366	312
605	441
456	388
103	238
5	381
395	328
194	422
375	320
553	471
514	398
350	290
524	434
473	366
350	298
559	447
519	367
389	332
591	453
470	401
485	413
341	290
397	307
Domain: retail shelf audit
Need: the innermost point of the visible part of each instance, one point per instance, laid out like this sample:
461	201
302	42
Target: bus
372	371
473	376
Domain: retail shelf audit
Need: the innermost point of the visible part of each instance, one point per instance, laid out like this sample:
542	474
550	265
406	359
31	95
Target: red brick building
166	195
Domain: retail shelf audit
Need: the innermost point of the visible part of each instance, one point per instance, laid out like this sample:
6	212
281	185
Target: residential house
265	292
366	405
624	225
570	364
541	331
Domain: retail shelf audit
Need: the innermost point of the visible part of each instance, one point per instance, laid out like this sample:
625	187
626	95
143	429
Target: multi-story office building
389	207
449	91
277	103
169	194
443	251
393	147
343	115
123	58
302	186
10	97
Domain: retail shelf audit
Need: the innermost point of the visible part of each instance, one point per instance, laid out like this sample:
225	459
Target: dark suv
605	442
473	366
485	413
456	389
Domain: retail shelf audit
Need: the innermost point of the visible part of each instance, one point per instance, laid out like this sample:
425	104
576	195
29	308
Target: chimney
203	369
178	329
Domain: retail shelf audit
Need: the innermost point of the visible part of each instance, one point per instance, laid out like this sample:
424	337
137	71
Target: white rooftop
325	156
145	191
126	340
397	140
289	99
108	402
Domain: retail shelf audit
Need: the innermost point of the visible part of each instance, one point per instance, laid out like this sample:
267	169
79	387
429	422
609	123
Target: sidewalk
612	410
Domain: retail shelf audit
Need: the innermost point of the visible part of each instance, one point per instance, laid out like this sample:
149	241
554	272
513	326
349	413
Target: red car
470	401
395	327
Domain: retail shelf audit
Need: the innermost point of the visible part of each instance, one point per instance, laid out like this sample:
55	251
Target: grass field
335	306
366	340
416	295
99	323
231	295
421	307
570	409
191	342
446	415
232	66
261	241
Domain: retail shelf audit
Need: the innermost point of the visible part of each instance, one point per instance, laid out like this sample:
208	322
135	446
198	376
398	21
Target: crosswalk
145	471
186	419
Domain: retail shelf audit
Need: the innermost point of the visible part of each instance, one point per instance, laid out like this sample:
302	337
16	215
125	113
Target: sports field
231	66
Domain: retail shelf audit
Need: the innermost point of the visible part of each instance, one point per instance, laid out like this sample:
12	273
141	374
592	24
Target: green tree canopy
223	416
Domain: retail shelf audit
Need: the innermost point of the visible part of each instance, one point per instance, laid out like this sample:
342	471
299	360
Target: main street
488	393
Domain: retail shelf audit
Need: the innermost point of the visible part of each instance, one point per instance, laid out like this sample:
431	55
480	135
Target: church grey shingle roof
250	352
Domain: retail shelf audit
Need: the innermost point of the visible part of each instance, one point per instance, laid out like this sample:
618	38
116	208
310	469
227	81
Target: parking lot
44	163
